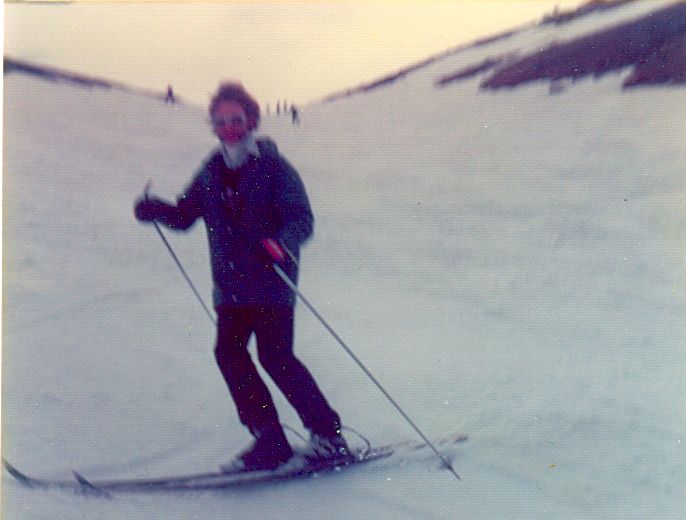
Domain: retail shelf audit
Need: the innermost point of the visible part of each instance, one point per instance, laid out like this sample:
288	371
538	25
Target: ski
299	467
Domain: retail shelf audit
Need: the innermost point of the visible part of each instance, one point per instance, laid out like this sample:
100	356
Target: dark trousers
273	329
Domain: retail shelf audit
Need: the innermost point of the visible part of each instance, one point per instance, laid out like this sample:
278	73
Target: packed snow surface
509	265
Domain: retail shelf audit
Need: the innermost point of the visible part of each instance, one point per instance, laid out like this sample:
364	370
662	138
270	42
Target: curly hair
230	91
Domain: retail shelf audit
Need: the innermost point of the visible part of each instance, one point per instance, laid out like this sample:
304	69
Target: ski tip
11	469
21	477
89	488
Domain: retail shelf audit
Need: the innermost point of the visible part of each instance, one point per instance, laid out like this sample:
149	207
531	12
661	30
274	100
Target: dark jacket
269	202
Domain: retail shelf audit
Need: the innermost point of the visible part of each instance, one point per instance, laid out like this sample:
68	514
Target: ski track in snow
508	264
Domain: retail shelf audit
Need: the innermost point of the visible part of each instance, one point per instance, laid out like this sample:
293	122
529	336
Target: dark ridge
13	66
387	80
666	65
653	42
468	72
494	38
561	17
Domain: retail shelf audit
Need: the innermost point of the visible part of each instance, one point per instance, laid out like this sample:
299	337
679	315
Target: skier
256	213
170	95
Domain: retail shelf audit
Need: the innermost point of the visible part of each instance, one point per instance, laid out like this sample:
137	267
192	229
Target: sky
299	51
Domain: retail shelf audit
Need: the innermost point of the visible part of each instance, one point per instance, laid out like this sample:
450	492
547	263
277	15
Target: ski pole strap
295	289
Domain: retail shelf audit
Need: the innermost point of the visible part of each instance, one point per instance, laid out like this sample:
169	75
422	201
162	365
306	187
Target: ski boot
269	451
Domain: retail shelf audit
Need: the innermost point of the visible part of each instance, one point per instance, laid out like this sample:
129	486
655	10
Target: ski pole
178	262
446	463
374	380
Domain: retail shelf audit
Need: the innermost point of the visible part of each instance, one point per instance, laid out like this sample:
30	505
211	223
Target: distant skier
170	96
295	117
256	213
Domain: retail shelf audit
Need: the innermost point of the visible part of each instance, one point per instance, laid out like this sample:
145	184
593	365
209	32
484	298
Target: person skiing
256	212
170	95
295	117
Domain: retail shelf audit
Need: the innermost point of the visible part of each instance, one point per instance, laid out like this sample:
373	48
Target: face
230	122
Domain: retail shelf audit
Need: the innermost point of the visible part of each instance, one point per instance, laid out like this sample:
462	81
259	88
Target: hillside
655	45
652	44
509	264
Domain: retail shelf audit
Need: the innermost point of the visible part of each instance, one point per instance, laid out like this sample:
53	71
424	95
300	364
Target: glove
147	210
274	249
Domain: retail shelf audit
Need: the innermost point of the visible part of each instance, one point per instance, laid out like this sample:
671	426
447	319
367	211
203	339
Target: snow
508	264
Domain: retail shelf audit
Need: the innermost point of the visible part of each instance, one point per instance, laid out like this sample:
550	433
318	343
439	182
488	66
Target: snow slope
509	264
